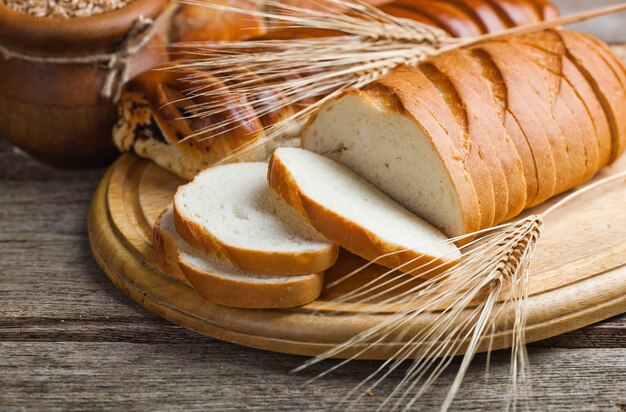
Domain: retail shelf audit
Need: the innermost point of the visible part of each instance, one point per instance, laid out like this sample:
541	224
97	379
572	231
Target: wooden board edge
100	230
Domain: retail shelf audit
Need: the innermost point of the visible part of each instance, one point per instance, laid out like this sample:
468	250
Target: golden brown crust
438	97
550	41
235	291
242	294
549	88
479	123
539	97
548	53
451	18
418	97
256	261
193	23
484	108
618	69
483	13
605	84
348	234
495	83
546	10
165	250
539	130
518	12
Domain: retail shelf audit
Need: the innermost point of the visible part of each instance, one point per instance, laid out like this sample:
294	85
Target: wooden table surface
70	340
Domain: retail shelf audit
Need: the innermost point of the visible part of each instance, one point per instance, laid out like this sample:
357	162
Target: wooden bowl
54	111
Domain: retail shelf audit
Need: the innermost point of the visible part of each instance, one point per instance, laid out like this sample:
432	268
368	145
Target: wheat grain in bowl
65	8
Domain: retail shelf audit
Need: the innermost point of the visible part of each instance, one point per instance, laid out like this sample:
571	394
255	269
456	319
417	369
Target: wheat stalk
469	304
493	274
374	43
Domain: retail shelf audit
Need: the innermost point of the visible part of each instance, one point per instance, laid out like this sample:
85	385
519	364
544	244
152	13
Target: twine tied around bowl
117	63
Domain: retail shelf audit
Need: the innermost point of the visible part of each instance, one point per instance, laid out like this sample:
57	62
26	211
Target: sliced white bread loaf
220	282
230	211
347	209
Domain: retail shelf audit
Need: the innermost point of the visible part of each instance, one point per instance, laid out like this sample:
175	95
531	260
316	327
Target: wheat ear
468	304
287	73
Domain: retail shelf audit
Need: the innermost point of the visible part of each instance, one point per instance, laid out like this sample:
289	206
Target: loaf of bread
461	18
152	128
157	121
472	137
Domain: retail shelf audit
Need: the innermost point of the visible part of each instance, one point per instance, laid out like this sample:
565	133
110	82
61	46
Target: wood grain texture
195	376
577	277
69	338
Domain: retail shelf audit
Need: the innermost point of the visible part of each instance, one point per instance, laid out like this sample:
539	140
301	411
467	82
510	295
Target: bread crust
519	12
618	69
347	233
544	42
251	260
196	23
483	13
547	52
419	97
466	68
547	10
247	295
451	18
539	99
498	90
165	250
480	126
234	291
551	90
605	84
533	127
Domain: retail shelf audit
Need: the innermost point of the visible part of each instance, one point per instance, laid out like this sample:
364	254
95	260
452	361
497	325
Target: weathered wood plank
153	330
220	376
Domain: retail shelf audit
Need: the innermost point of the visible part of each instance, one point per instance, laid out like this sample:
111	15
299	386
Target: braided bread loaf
461	18
152	129
472	137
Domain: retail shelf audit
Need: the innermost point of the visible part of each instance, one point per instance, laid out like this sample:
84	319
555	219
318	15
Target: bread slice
352	212
552	91
494	121
618	69
230	211
538	128
436	95
451	18
519	12
487	131
220	282
494	81
568	108
520	74
394	142
605	84
549	41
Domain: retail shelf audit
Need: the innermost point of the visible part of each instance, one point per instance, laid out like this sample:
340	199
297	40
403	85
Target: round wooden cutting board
578	274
